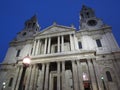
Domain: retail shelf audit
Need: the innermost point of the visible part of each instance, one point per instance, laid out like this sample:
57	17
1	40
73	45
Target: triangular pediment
57	29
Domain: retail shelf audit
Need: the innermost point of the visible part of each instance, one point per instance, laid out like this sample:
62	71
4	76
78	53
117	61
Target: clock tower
88	19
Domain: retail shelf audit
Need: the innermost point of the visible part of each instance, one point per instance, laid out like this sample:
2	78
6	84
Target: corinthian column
37	47
63	76
71	43
46	77
58	44
79	68
34	47
75	76
49	44
45	47
62	43
92	75
58	75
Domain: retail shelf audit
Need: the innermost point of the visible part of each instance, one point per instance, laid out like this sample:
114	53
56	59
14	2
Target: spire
86	12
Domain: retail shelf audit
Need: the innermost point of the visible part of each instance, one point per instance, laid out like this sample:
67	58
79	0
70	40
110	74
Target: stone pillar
97	74
58	44
75	76
75	42
36	77
28	78
49	45
45	47
37	47
46	77
63	76
62	43
58	75
19	78
15	78
42	77
92	75
32	78
80	76
71	42
34	48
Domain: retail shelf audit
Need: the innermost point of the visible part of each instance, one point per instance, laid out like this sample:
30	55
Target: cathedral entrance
53	81
86	85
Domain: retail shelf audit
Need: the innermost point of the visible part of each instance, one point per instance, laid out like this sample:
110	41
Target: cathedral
62	57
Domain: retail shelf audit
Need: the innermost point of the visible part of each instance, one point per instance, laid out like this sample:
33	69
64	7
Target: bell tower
31	27
88	19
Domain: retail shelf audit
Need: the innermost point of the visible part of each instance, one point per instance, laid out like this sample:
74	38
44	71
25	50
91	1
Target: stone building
62	57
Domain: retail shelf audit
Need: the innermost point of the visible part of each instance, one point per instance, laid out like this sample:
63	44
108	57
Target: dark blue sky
13	14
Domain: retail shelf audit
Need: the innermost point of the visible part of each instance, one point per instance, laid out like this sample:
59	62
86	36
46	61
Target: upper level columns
62	45
58	44
49	45
45	47
71	42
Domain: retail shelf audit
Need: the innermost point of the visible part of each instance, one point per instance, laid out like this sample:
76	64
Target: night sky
13	14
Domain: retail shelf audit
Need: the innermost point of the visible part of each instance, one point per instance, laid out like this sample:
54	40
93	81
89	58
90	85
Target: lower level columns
46	77
19	77
92	75
58	76
80	77
42	77
32	78
75	76
63	76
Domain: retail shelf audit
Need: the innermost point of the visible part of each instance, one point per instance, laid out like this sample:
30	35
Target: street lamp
3	85
26	63
102	78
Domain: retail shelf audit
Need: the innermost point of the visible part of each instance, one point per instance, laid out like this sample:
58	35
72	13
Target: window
10	83
80	45
108	76
18	53
98	43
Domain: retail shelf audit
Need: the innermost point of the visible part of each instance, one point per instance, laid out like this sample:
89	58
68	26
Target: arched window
109	76
18	53
10	82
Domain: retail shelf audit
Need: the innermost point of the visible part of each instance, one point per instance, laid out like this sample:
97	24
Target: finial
54	23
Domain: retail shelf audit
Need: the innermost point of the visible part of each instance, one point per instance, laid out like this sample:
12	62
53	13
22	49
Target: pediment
57	29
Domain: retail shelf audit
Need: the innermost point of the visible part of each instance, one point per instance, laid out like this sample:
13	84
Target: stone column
71	42
62	43
19	78
32	78
15	78
28	78
49	45
92	75
80	76
42	77
97	74
46	77
75	76
34	47
75	42
37	46
58	44
45	47
36	77
58	75
63	76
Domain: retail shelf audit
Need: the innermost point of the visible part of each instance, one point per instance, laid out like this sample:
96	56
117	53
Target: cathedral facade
62	57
